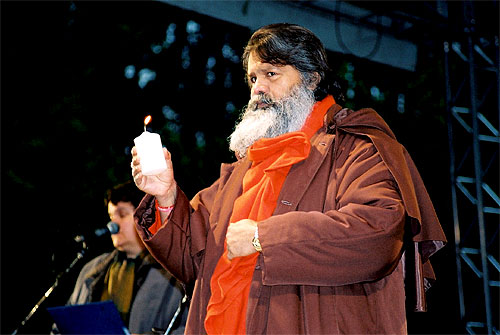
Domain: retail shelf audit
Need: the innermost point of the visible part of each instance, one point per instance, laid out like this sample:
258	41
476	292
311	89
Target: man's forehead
121	205
256	64
262	65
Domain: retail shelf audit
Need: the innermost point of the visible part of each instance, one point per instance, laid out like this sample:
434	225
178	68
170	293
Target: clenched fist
239	238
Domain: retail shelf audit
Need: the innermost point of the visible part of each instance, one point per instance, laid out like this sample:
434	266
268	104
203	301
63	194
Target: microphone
111	228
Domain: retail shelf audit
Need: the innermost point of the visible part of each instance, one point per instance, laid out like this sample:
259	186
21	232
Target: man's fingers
166	153
137	178
135	161
136	169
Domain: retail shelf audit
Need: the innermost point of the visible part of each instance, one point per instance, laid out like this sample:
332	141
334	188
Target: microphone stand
49	291
176	315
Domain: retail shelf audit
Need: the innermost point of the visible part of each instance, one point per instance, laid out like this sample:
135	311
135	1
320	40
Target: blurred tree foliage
78	78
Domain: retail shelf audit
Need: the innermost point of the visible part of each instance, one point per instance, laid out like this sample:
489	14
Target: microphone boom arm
111	227
49	291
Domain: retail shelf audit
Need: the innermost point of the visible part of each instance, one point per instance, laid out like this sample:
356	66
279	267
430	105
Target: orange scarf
271	159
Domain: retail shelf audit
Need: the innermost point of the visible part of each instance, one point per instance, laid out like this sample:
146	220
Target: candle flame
147	120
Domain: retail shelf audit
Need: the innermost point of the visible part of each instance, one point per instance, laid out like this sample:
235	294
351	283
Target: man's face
280	103
126	239
272	80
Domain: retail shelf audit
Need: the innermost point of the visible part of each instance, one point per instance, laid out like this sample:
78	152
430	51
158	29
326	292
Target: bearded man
313	228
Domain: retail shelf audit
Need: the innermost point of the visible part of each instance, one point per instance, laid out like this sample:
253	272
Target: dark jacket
332	253
157	293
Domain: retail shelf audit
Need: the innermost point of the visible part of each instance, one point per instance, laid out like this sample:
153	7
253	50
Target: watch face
256	244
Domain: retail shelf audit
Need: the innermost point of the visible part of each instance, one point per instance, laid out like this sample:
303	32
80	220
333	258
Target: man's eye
271	74
253	80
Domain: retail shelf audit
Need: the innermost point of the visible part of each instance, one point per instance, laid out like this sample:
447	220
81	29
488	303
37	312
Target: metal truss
472	95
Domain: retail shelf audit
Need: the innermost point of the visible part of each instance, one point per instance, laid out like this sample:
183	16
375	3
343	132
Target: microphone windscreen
113	227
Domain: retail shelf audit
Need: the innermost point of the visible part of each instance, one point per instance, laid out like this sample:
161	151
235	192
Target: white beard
277	118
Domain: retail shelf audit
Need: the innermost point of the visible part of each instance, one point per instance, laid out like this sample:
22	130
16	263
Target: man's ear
313	81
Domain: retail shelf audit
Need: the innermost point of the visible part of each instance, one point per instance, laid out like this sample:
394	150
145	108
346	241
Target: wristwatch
255	241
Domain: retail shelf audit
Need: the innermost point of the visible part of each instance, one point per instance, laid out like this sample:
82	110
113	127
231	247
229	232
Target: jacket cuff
144	215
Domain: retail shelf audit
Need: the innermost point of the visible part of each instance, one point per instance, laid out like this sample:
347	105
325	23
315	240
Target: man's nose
260	87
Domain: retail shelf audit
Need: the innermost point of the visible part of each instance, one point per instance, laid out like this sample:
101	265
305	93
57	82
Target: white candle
150	152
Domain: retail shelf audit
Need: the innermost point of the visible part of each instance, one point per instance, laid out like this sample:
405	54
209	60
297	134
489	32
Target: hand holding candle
162	185
150	152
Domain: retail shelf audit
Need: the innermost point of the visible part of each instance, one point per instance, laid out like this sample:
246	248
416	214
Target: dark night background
72	103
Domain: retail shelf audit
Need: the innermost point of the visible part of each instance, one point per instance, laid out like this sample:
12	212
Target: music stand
92	318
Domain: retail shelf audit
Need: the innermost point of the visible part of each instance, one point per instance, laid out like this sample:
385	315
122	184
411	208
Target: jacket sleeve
179	244
359	239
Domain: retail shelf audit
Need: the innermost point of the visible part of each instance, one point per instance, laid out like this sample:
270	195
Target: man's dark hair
290	44
126	192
